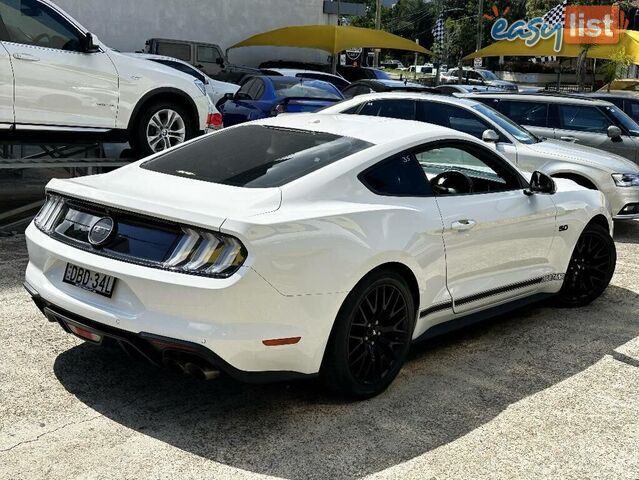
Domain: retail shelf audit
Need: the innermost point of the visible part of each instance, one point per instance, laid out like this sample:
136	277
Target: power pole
378	26
480	23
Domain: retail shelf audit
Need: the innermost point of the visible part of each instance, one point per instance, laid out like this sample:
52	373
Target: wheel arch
600	220
391	266
578	178
168	94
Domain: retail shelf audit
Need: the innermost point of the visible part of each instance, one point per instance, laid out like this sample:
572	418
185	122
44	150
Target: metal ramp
25	168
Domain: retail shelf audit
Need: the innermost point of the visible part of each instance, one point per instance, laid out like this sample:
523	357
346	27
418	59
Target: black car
352	74
370	86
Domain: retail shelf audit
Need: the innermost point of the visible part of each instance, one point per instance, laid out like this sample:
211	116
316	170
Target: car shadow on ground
627	231
449	387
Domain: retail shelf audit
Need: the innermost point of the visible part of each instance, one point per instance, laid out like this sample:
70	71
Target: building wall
126	24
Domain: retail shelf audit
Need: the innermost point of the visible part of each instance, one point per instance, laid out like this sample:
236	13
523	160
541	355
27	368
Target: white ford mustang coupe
310	244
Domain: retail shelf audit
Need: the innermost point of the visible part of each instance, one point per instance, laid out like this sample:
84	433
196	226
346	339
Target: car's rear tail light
206	253
277	109
214	121
49	213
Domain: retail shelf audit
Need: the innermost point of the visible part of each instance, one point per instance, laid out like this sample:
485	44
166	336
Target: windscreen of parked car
180	51
517	131
488	75
298	87
255	156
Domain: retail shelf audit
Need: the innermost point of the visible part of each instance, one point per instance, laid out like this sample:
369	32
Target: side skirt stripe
488	293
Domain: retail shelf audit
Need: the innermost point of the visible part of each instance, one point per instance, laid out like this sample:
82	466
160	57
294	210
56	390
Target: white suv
56	77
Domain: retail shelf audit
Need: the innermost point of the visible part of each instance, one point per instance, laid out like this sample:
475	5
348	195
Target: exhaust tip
201	373
174	365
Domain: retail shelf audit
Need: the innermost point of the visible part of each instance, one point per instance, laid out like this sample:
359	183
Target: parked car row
614	175
477	76
157	101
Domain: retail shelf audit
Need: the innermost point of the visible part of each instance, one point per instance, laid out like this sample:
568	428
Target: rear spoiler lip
286	100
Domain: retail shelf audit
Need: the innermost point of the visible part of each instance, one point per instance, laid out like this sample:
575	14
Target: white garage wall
126	24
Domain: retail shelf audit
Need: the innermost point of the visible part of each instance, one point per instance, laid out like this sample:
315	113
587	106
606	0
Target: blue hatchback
263	96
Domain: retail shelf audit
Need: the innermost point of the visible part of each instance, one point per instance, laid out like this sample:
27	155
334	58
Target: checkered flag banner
554	16
438	30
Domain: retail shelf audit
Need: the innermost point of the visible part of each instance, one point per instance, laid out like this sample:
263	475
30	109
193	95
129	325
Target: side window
245	89
399	176
526	113
355	90
181	51
351	111
257	89
31	23
616	101
582	119
402	109
207	54
632	110
466	169
453	117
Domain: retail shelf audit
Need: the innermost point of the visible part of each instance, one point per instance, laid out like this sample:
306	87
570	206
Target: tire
590	269
176	120
361	358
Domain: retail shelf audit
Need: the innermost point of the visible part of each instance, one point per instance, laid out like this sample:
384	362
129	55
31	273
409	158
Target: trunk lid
169	197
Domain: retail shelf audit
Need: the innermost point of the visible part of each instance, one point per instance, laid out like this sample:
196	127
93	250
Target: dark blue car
264	96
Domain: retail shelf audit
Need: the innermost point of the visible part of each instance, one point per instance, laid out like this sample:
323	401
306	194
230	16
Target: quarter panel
314	250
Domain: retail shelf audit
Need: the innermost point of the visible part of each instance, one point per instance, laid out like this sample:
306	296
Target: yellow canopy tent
628	41
624	84
331	38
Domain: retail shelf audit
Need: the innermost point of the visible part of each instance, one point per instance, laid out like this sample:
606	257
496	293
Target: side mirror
88	45
540	183
490	136
614	131
220	61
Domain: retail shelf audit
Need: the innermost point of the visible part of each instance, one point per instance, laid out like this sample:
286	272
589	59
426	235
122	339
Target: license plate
95	282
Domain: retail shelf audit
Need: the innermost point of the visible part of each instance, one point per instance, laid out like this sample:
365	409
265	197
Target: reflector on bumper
85	334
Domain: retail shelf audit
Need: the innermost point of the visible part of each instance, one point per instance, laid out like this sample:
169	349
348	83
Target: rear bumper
156	349
229	319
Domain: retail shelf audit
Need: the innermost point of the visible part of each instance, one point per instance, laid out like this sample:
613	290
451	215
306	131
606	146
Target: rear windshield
255	156
297	87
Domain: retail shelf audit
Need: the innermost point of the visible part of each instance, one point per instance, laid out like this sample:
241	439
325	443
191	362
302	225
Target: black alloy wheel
378	333
590	269
372	336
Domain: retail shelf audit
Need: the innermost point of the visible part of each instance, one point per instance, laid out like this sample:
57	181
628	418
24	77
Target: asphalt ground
539	393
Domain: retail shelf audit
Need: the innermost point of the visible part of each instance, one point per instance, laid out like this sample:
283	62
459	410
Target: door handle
570	139
26	57
462	225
